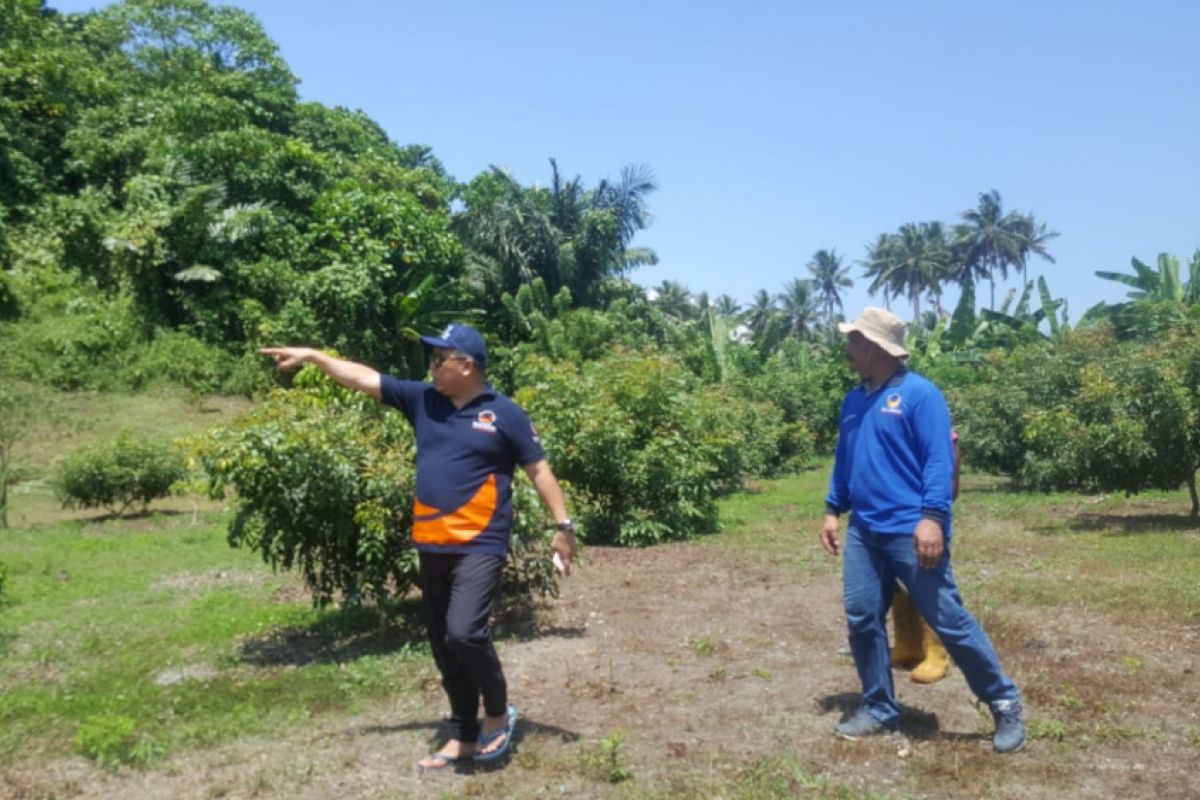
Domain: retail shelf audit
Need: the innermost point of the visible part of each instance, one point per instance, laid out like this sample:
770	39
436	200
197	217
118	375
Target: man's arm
931	424
837	500
548	489
350	374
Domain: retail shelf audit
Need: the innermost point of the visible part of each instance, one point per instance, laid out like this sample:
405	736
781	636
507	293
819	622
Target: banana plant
1158	299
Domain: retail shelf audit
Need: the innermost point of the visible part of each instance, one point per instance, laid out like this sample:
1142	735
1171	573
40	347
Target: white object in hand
556	559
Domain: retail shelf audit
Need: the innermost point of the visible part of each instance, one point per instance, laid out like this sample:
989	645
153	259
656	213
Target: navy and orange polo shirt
465	463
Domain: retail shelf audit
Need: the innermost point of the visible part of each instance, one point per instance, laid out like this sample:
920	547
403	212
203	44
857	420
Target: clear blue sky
778	128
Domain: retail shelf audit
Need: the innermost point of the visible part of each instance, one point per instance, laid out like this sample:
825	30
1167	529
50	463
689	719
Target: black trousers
458	595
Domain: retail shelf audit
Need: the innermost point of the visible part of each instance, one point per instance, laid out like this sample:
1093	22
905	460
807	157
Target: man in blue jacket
893	472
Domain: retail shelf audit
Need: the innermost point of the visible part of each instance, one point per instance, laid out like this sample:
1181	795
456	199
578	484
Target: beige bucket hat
880	326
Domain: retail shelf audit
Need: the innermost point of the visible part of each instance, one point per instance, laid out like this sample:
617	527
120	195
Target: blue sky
775	129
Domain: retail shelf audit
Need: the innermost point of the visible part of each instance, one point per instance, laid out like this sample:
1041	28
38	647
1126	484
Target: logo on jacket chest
892	404
485	421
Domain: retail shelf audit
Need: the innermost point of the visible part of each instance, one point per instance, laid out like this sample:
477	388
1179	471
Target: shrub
325	478
88	343
116	476
808	385
646	450
176	358
1090	415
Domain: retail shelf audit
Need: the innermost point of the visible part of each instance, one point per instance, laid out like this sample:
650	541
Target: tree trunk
1191	481
3	489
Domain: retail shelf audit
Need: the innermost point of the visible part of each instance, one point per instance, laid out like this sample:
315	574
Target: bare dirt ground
697	666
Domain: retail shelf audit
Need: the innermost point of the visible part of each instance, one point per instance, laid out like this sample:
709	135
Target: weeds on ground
112	741
607	762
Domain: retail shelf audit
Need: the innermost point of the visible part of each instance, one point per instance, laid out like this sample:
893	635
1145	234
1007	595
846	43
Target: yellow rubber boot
936	662
908	649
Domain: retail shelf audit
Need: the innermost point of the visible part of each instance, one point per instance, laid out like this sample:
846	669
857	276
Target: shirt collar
892	382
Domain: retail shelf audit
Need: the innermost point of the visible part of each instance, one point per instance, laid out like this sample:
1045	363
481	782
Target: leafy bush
176	358
646	450
1091	415
116	476
89	343
324	479
808	385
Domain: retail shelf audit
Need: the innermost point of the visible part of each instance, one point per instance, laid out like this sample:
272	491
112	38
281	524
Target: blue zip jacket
895	462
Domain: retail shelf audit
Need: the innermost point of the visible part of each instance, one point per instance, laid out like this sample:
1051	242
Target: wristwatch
566	526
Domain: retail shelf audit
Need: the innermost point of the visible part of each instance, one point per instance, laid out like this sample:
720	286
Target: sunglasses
437	359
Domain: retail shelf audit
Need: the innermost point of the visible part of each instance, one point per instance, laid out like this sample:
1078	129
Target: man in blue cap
470	438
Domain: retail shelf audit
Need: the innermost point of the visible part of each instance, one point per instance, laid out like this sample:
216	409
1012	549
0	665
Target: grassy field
127	639
130	641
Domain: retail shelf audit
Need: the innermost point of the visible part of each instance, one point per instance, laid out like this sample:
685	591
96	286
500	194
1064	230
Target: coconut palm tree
762	309
726	306
1032	241
829	277
675	300
798	307
991	240
914	261
877	267
626	198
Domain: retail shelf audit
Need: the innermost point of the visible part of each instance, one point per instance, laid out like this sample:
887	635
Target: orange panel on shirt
434	526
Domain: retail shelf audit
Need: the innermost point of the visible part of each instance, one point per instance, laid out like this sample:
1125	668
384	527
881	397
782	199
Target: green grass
780	519
128	638
1137	555
167	626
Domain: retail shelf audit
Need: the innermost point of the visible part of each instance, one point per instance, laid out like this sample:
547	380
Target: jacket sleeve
838	499
935	450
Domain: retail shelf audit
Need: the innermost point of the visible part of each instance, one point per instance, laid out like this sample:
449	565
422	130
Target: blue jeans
872	564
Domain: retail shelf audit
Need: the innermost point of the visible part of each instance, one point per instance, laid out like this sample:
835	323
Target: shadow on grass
139	515
345	635
523	728
1129	524
351	633
519	621
914	723
997	486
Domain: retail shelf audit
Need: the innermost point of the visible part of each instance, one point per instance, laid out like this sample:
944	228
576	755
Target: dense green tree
565	234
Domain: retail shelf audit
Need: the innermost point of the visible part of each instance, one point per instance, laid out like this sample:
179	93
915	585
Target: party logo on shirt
485	421
892	405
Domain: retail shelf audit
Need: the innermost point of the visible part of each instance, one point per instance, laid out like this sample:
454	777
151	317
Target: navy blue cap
462	338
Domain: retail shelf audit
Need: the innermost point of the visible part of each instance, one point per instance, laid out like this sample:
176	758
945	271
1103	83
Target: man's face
858	353
449	368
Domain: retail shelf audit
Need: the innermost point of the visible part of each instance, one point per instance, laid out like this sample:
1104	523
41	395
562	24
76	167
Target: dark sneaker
861	724
1010	726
